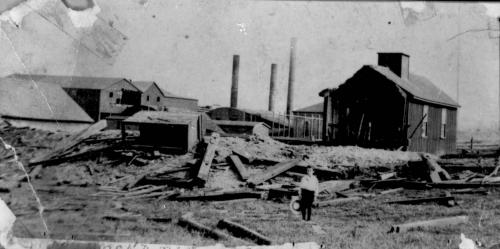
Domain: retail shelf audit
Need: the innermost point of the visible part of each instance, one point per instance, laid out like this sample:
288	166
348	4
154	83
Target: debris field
96	185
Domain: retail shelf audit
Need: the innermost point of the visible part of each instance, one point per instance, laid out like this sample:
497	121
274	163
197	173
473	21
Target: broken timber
241	231
338	201
188	222
245	155
72	141
437	174
429	223
242	171
440	200
272	172
208	157
224	196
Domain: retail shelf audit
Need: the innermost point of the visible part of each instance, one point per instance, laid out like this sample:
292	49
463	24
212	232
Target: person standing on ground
308	193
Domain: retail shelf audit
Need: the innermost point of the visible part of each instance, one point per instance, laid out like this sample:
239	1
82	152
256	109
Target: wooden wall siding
433	143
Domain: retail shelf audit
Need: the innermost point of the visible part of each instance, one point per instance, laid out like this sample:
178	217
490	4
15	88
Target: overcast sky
187	46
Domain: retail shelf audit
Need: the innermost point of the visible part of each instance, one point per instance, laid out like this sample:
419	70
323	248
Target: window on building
118	101
425	119
111	94
443	123
147	98
157	99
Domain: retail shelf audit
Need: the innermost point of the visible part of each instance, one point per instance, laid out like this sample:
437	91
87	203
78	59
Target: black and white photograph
249	124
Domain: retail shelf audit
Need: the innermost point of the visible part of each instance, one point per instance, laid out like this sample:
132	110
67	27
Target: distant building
153	95
315	111
100	97
40	105
164	130
385	106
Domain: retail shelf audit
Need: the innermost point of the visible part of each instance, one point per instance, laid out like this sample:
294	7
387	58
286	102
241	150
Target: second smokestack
291	77
272	87
234	83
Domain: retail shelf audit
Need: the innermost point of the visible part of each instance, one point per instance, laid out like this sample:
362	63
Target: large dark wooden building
385	106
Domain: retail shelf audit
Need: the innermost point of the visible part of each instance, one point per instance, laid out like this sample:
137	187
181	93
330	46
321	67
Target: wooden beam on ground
206	163
272	172
471	191
240	168
243	154
224	196
391	191
188	222
72	141
240	231
437	174
440	200
429	223
338	201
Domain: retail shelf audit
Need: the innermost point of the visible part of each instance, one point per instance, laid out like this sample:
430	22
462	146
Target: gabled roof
80	82
145	85
26	99
418	86
318	108
161	117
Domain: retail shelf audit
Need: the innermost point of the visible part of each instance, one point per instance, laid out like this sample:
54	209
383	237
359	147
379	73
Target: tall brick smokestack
272	87
291	77
234	83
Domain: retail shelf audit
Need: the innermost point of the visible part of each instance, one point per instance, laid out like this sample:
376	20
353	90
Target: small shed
386	106
237	128
173	131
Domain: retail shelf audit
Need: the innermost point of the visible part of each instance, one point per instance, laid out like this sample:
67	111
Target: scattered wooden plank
240	231
75	156
387	175
145	191
437	174
429	223
439	200
272	172
188	222
335	185
240	168
35	172
165	194
72	141
338	201
243	154
230	195
391	191
471	191
208	157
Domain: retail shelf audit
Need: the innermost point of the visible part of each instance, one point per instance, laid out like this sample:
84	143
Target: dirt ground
78	212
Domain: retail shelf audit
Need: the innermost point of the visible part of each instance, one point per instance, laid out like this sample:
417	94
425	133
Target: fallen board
188	222
241	231
272	172
224	196
441	200
206	163
429	223
240	168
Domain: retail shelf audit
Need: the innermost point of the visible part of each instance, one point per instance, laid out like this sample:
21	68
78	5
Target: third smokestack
291	77
234	83
272	87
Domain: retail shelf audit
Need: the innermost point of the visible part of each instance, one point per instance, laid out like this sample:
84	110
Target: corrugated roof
420	87
26	99
312	108
81	82
154	117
